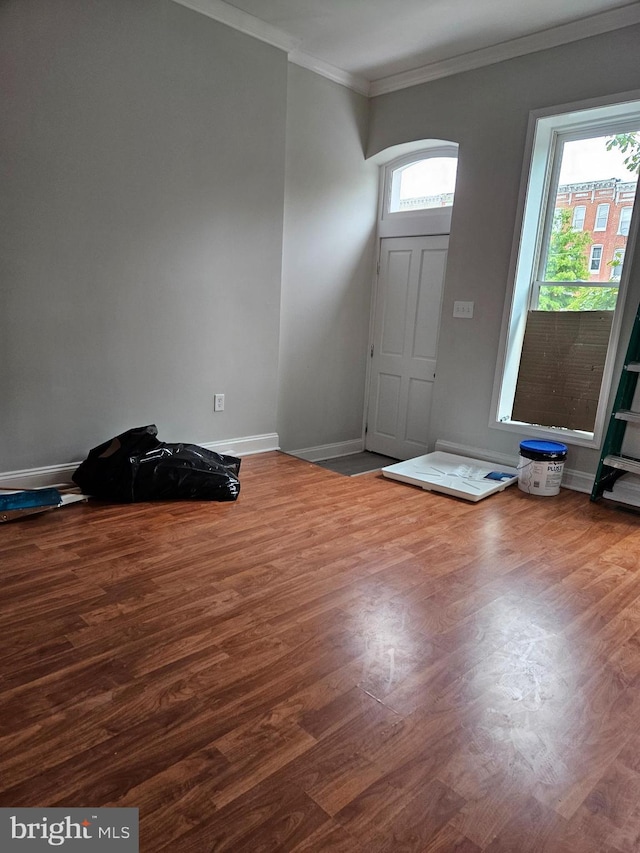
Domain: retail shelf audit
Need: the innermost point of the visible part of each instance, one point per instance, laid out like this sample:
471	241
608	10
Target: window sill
566	436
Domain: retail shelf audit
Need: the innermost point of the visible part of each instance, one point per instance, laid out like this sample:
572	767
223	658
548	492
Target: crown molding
552	37
248	24
332	72
242	21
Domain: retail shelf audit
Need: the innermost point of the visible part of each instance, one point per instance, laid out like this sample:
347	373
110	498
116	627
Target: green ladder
612	464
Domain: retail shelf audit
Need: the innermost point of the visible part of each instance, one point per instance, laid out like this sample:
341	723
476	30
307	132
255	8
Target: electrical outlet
218	402
463	309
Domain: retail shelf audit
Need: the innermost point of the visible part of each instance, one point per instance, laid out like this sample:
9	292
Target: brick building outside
602	208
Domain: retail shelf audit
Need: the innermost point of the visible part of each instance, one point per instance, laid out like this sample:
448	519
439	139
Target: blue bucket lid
537	446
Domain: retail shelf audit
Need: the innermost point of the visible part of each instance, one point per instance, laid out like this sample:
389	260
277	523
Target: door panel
418	402
388	400
427	320
406	321
395	303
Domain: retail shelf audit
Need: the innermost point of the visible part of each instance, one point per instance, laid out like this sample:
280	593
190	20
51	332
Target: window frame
549	128
583	209
595	270
618	254
607	208
620	232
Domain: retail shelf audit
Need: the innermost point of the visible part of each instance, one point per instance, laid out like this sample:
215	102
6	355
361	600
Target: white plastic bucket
541	467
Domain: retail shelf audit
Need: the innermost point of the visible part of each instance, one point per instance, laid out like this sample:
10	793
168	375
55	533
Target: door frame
420	223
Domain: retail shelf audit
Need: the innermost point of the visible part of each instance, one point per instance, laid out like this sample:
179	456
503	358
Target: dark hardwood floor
329	664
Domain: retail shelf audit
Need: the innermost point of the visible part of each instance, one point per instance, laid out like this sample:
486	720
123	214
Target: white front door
405	342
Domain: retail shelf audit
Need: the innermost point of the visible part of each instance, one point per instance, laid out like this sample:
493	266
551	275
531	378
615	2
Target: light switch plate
463	309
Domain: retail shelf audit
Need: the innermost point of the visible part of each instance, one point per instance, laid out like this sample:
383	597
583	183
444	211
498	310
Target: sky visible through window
434	176
588	160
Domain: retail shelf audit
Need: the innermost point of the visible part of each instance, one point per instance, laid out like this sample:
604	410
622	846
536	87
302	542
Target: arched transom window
424	183
418	191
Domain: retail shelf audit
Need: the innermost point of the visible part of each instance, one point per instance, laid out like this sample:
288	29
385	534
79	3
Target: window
566	298
616	264
625	221
423	184
602	217
595	259
418	191
579	214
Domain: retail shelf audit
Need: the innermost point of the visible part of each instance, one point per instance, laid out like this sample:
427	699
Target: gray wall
141	205
329	227
143	260
486	112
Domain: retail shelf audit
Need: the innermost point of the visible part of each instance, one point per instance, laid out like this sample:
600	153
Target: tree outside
629	144
567	260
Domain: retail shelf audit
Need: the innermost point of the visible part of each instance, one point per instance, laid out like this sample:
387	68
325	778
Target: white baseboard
329	451
35	478
577	481
476	453
247	446
60	475
626	490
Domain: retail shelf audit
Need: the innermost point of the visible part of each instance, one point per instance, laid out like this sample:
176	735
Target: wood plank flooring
329	664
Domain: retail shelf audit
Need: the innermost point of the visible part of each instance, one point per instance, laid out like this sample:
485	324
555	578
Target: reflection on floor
357	463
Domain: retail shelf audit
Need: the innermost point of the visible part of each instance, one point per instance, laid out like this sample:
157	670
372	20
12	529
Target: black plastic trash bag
136	466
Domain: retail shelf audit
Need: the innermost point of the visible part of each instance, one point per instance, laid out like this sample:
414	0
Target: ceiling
382	45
